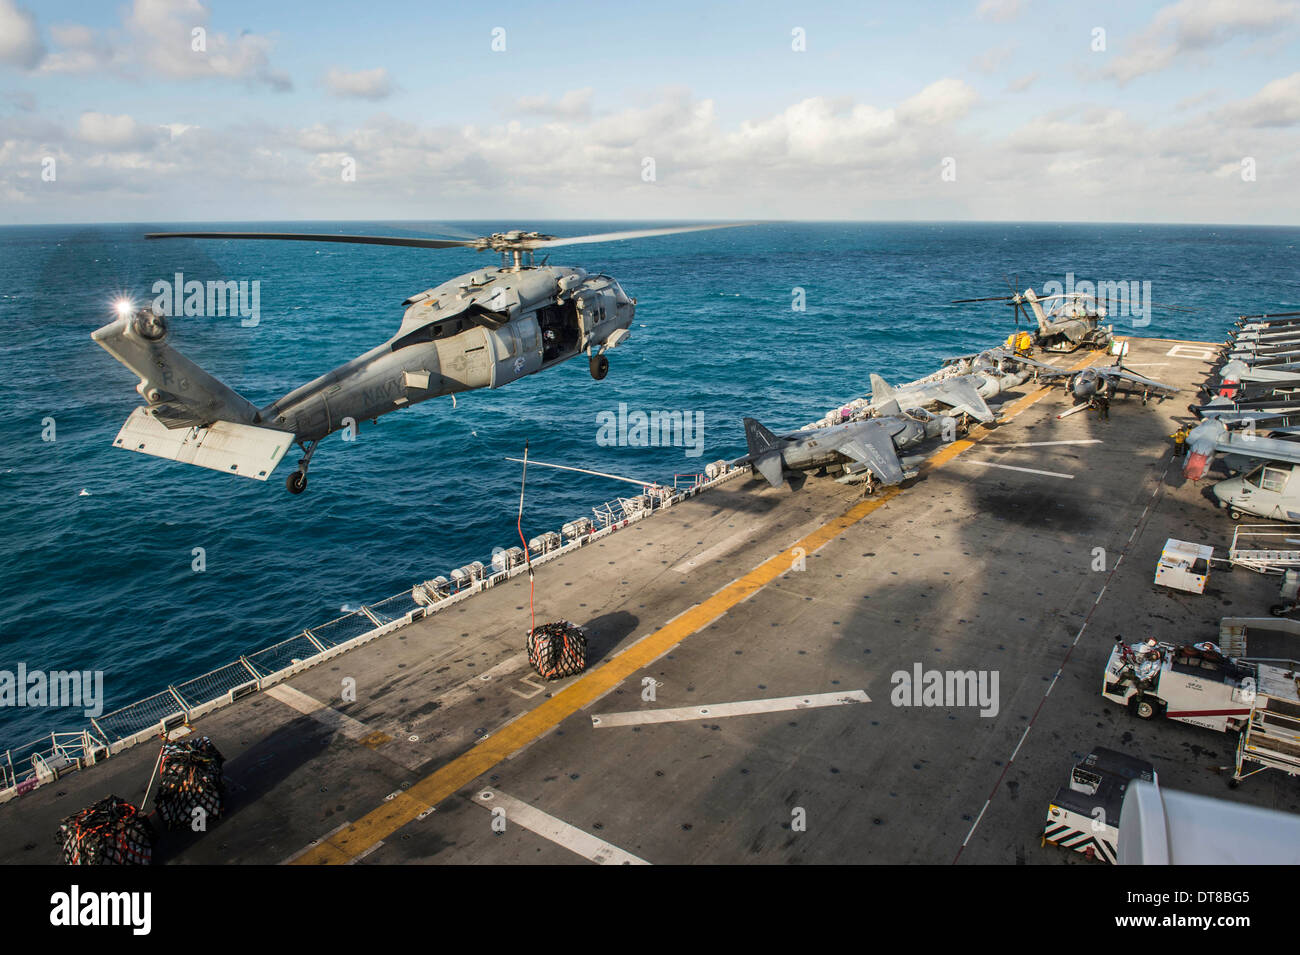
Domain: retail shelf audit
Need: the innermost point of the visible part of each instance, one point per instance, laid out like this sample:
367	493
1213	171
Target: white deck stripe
557	830
1041	444
724	545
716	710
310	706
1012	467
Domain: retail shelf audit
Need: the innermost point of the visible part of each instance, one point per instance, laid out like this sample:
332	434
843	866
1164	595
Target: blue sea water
103	580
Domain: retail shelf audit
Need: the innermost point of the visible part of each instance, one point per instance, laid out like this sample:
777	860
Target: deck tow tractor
1201	685
1085	814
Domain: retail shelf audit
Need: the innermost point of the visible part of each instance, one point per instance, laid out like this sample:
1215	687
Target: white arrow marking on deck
1042	444
715	710
1012	467
557	830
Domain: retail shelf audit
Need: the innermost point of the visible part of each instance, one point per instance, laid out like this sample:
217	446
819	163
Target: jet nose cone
1196	466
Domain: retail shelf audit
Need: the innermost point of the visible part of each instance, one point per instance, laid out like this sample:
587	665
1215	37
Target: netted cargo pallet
190	785
111	832
557	650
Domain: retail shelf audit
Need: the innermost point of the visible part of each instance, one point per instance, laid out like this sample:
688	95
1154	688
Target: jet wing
1056	374
1032	362
874	448
1133	380
960	394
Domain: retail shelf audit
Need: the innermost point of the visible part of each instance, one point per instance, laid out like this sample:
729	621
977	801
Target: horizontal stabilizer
772	467
225	446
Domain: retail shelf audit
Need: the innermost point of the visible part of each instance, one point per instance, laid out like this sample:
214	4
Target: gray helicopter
1071	323
484	329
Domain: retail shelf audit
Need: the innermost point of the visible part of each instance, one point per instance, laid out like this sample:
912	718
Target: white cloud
158	36
999	11
820	157
361	84
573	104
1276	105
20	43
1022	83
943	101
116	132
1190	26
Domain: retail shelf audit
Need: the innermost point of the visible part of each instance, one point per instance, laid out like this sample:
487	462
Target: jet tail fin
759	438
881	390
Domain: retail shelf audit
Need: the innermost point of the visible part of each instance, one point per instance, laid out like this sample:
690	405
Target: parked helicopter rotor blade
324	237
616	236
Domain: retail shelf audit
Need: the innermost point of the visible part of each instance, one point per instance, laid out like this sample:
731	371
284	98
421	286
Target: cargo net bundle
557	650
189	778
111	832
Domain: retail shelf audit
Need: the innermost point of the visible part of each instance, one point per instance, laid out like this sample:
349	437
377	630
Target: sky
1016	110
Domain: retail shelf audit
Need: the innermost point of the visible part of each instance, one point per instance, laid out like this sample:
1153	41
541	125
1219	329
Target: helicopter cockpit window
1253	477
1273	479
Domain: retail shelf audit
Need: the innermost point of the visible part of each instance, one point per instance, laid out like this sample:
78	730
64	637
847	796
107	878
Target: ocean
97	544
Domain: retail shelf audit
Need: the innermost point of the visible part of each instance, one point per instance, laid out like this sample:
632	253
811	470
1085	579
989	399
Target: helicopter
483	329
1072	323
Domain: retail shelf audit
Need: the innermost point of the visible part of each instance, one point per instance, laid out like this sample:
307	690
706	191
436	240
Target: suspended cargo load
111	832
191	792
557	650
542	543
504	559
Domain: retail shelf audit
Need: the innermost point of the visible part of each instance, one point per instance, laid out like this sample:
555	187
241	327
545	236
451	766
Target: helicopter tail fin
190	416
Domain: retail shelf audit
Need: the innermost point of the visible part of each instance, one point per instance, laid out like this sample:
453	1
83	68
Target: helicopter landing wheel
296	482
599	366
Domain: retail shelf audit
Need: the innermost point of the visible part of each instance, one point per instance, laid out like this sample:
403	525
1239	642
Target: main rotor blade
967	301
617	236
326	237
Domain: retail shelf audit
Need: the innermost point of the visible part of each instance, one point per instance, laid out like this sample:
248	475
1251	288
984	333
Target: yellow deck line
380	823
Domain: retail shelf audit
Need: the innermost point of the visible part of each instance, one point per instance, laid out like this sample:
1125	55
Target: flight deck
744	697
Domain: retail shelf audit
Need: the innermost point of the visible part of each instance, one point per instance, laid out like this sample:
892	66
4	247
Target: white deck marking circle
556	830
742	708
